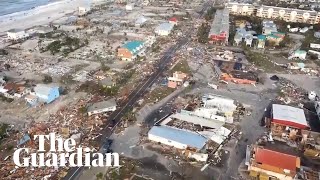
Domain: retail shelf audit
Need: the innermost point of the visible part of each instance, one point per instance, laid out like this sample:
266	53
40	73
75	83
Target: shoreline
41	15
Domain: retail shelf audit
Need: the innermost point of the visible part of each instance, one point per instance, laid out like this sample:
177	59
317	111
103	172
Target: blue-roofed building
46	93
177	138
261	41
130	50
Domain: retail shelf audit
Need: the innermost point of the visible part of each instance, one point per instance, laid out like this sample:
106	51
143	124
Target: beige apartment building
272	12
242	9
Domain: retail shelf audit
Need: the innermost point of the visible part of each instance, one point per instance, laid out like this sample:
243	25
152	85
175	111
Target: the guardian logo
62	154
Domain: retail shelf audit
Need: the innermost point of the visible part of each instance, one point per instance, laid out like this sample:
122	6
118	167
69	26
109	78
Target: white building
241	9
83	10
298	54
223	104
248	39
16	34
141	21
164	29
129	7
268	27
101	107
178	138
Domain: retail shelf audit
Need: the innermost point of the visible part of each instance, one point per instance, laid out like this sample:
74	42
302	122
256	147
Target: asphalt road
136	94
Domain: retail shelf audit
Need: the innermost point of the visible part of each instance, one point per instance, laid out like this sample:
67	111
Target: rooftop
178	135
211	123
290	116
102	105
165	27
43	88
277	159
132	45
220	22
262	37
15	30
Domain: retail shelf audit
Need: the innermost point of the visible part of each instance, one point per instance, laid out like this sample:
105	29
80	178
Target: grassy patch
262	61
3	128
158	94
309	38
182	66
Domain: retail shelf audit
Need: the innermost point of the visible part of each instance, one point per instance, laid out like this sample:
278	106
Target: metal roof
277	159
212	123
288	115
165	27
132	45
43	89
178	135
103	104
220	22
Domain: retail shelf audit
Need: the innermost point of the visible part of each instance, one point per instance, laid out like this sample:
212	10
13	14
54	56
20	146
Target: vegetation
182	66
155	48
309	38
3	52
262	61
3	131
203	33
66	45
99	176
47	79
67	79
123	79
158	94
3	98
94	88
210	13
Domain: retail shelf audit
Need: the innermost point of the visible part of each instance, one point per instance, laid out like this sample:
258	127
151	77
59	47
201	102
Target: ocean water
12	6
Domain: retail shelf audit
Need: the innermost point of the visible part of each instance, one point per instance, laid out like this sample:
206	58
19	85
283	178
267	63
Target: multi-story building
130	50
219	31
288	14
272	12
242	9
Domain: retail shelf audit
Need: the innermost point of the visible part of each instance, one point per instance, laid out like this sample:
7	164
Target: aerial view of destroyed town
169	89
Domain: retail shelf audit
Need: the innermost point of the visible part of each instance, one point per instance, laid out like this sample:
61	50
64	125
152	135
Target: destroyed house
225	105
178	138
13	90
164	29
240	77
101	107
177	79
266	164
311	142
202	121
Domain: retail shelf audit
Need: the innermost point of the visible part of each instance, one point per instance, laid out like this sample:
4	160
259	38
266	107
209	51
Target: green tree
47	79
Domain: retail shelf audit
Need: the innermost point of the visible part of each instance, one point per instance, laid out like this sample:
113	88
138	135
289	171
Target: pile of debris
68	122
290	93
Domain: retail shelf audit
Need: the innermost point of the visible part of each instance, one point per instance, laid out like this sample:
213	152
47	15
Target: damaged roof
103	104
289	116
178	135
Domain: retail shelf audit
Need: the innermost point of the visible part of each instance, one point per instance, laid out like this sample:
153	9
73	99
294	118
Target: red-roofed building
173	20
269	163
289	116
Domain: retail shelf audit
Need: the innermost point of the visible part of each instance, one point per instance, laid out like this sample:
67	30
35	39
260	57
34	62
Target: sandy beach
41	15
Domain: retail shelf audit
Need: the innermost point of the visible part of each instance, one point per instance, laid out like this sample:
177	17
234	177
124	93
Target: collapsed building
230	67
